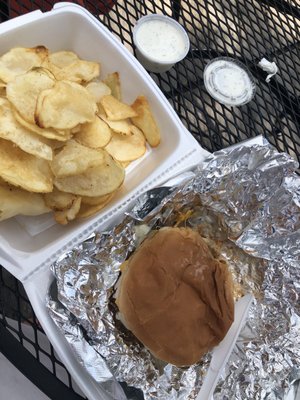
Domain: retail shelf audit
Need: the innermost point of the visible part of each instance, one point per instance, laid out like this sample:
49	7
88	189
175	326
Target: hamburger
175	296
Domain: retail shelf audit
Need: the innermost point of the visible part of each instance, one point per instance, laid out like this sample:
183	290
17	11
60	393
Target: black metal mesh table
247	30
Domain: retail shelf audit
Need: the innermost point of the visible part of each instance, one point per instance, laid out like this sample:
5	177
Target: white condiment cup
153	56
229	81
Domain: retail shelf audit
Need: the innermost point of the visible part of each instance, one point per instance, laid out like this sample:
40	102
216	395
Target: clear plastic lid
229	81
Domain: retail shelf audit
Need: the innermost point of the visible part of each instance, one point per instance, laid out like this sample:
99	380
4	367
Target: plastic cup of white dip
160	42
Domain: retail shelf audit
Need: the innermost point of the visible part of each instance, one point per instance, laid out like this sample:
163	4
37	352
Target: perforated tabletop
247	30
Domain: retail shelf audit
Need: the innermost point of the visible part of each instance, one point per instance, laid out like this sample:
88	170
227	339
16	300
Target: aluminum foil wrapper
246	202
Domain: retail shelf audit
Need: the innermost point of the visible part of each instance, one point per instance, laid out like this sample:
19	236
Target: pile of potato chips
66	137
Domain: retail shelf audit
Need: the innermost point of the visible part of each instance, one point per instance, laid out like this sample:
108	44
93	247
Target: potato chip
80	71
24	90
14	201
123	126
75	159
96	181
98	90
20	60
66	65
125	164
145	121
127	147
61	135
2	89
87	210
64	106
115	109
63	58
65	205
28	141
113	82
59	201
94	134
24	170
76	129
93	201
56	145
65	216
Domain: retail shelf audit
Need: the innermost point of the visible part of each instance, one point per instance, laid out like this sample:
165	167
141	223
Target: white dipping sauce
161	40
232	81
228	81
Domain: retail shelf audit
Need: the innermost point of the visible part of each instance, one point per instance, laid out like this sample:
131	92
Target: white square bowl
29	243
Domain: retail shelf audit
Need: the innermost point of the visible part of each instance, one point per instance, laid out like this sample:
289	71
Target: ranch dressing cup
160	42
229	81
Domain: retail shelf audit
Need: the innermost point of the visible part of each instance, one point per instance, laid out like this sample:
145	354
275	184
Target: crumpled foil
246	202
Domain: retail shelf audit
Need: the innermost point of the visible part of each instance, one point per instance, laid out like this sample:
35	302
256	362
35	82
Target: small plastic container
229	81
160	42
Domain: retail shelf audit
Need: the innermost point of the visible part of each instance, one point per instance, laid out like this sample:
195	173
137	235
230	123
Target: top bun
175	297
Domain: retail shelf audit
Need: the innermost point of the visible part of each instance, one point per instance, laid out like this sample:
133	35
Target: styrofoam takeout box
29	245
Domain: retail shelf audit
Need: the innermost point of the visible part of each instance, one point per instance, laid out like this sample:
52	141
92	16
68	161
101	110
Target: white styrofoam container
29	245
71	27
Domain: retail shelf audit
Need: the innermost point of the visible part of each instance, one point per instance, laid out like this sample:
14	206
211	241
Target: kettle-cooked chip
19	60
80	71
14	201
64	106
124	164
98	89
67	215
2	89
94	134
123	126
65	205
66	65
63	58
93	201
96	181
49	133
59	201
28	141
23	169
24	90
115	109
127	147
113	82
145	121
75	159
87	210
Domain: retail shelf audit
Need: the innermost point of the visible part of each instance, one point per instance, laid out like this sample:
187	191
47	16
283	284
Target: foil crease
245	202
